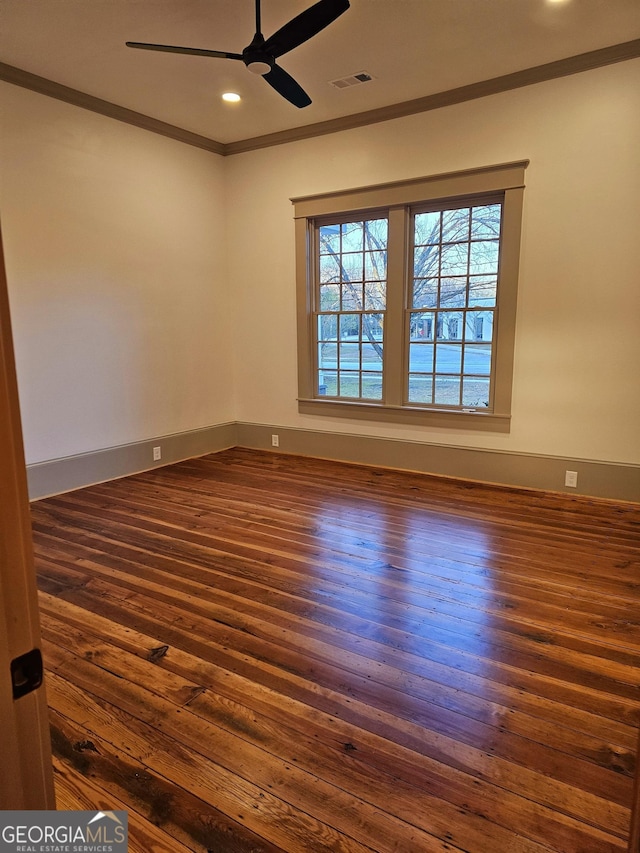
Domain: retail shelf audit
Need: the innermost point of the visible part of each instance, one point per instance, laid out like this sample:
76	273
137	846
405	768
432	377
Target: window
350	297
407	296
454	280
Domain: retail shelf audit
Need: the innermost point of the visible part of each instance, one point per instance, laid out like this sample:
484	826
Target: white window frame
398	200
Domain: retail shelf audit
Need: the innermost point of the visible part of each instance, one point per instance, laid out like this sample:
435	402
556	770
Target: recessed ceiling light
231	97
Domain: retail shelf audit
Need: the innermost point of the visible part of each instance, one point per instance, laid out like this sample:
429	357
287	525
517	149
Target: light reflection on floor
404	572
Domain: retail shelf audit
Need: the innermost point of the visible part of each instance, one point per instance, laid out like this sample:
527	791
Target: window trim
397	199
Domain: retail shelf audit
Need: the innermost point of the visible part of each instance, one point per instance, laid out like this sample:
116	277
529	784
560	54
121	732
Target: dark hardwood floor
261	652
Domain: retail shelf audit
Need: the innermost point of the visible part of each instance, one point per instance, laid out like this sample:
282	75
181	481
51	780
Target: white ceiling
413	48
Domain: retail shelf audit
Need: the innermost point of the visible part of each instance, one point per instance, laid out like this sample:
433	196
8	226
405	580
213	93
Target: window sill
447	418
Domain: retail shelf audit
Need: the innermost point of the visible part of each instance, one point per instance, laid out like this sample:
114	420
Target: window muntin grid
350	300
454	281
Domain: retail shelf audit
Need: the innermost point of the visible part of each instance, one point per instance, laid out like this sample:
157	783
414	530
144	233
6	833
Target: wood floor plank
202	755
593	633
362	547
526	650
397	641
75	790
297	675
301	655
390	686
317	740
101	772
611	623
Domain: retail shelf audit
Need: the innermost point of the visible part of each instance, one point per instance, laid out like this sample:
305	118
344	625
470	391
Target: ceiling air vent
352	80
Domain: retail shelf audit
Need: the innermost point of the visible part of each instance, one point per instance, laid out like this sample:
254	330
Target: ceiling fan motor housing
257	60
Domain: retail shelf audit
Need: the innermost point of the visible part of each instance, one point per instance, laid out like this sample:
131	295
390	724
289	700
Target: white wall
116	261
152	284
576	388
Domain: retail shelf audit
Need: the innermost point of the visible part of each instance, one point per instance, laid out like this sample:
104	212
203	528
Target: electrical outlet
275	441
571	479
157	454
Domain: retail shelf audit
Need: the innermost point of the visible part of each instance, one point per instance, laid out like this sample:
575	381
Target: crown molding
11	74
505	83
529	76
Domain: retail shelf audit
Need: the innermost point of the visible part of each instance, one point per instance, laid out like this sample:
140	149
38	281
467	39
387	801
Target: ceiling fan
260	55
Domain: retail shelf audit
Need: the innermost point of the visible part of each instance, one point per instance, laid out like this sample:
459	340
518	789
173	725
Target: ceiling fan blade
286	86
304	26
193	51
